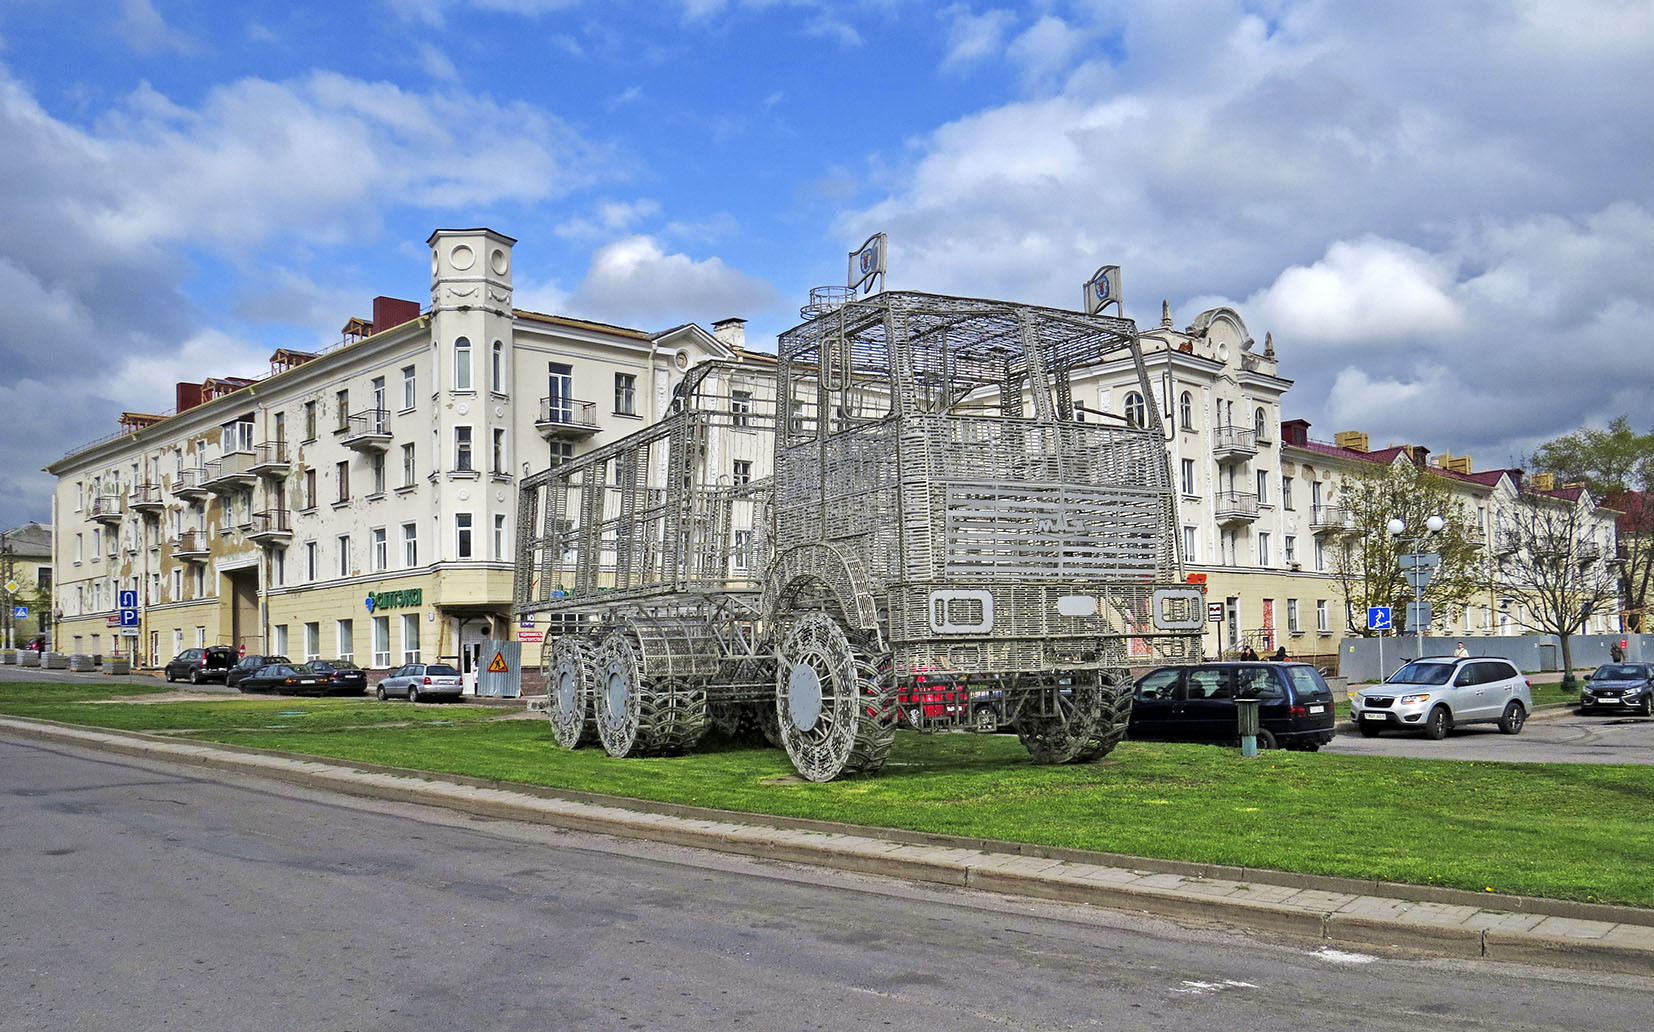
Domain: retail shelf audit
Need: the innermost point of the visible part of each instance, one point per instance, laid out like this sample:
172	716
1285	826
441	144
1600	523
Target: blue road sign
128	600
1378	618
20	612
129	618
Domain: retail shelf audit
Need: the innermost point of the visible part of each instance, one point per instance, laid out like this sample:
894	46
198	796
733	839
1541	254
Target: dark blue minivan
1197	704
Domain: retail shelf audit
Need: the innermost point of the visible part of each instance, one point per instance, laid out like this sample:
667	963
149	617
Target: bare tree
1552	566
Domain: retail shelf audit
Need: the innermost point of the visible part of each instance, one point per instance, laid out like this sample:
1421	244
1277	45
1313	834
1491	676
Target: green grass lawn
1560	830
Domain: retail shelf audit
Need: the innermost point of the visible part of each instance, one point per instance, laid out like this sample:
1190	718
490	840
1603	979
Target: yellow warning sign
498	666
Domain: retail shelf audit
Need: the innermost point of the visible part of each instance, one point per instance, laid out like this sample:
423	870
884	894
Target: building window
341	403
462	449
743	550
312	641
1263	487
346	633
308	501
1186	410
743	472
1187	469
1292	616
1263	548
1321	618
344	555
376	469
462	535
410	545
1286	492
309	421
200	582
496	369
410	638
200	637
408	388
1320	556
1290	544
278	639
79	548
278	571
1137	413
499	452
740	407
381	550
310	569
1257	426
408	464
499	537
462	364
625	394
381	641
341	474
560	452
177	585
1189	544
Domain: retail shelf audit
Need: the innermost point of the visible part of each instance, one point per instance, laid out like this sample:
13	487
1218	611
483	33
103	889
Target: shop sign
529	636
398	599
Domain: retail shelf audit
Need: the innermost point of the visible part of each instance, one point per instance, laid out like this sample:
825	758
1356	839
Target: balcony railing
1324	519
146	498
1232	442
566	417
270	459
270	527
190	546
190	483
368	430
1233	506
232	472
106	508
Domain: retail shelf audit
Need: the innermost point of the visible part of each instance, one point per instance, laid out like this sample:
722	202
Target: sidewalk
1345	912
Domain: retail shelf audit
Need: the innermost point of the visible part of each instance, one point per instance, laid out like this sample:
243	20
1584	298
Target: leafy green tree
1616	465
1366	559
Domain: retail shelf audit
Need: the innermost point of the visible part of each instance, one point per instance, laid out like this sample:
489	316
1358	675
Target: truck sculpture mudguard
945	540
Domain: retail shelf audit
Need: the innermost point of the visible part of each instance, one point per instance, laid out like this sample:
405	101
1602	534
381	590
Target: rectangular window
278	639
1188	476
311	572
410	638
743	550
345	632
740	407
177	585
97	545
408	464
79	549
462	535
200	582
376	471
743	472
312	641
625	394
309	421
1292	616
381	550
1263	548
1321	618
462	449
1189	545
499	537
344	555
1286	492
1263	487
200	637
278	569
341	404
1290	546
381	641
1320	556
410	545
499	452
560	452
407	387
309	489
341	473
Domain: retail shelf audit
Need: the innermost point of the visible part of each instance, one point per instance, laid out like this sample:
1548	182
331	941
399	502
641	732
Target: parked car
247	665
1617	686
418	681
196	666
1436	694
342	675
287	678
1197	704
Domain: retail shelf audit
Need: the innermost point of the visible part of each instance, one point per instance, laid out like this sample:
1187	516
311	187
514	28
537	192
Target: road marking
1340	957
1202	988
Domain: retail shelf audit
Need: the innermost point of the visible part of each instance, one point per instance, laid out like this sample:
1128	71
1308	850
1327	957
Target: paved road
143	896
1568	738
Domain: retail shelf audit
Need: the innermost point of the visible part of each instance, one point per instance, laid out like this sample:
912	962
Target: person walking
1616	652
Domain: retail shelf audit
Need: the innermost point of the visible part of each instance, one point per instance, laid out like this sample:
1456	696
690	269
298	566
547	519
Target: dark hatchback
249	665
1197	704
1619	686
343	676
211	663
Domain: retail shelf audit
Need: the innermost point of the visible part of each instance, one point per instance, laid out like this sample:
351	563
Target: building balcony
367	431
146	498
270	460
190	484
106	509
1235	507
1330	519
271	527
566	419
1233	442
191	546
232	473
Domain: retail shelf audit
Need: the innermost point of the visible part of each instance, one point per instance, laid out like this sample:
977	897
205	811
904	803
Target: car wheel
379	693
169	676
1266	739
195	677
413	694
1370	729
1513	719
241	686
1436	724
1647	706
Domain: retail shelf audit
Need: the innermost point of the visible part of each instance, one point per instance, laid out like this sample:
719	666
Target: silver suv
1437	694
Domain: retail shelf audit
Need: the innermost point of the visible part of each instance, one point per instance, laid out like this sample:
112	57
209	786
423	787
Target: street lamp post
1418	567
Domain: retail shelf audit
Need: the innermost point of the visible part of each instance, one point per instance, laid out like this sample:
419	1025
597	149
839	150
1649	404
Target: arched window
1186	410
498	370
1257	425
1137	414
462	364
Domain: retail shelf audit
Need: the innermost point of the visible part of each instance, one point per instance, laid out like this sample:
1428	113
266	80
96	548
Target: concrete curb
1455	923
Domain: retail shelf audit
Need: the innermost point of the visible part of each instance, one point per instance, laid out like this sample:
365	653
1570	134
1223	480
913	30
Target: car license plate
1609	698
1317	709
1372	716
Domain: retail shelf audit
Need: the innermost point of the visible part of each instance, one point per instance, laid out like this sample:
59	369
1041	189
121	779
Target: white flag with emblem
1103	289
867	261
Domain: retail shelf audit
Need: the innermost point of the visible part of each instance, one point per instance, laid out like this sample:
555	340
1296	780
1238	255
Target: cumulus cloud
635	282
971	37
146	32
1362	291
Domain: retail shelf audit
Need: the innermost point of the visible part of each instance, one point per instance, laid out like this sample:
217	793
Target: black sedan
342	675
247	665
286	678
1619	686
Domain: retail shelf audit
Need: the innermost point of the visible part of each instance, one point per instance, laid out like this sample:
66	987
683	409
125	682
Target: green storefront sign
399	599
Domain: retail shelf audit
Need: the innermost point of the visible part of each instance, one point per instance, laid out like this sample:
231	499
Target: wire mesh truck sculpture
940	518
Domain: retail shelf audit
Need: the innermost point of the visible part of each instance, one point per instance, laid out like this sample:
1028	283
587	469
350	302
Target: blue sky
1442	212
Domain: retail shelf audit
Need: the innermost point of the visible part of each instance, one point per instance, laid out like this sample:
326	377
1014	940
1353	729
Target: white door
473	638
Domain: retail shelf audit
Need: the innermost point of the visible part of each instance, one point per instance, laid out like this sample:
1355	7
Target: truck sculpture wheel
1091	712
834	705
642	716
570	676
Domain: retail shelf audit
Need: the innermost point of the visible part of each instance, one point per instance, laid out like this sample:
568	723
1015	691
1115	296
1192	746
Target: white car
1436	694
418	681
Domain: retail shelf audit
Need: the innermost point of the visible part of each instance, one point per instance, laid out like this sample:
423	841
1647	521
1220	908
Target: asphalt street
141	895
1564	737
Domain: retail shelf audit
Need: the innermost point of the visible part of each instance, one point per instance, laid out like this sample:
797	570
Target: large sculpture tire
737	721
636	717
1093	709
569	666
672	717
834	701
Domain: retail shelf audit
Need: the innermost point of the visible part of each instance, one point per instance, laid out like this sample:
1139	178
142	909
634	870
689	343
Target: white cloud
146	32
1046	48
973	38
1362	291
634	281
436	64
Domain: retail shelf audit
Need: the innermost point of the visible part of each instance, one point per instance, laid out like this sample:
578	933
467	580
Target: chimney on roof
1295	432
1354	440
1543	482
732	332
390	312
188	396
1419	454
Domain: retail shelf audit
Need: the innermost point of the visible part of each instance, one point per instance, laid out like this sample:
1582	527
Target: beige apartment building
360	502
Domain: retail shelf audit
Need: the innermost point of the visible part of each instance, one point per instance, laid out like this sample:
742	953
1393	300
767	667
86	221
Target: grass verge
1567	831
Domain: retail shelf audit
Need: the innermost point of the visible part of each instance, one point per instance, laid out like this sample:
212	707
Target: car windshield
1422	672
441	670
1621	672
